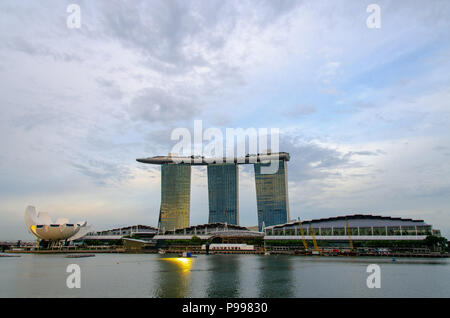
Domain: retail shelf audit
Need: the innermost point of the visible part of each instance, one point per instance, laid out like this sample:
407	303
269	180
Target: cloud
300	110
310	160
111	88
102	171
79	106
327	72
159	105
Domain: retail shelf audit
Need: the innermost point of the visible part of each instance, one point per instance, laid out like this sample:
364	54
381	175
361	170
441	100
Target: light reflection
33	229
184	263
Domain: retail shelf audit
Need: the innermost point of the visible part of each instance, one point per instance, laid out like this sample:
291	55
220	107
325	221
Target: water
153	275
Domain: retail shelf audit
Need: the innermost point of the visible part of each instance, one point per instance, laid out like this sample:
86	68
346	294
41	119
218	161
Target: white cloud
78	106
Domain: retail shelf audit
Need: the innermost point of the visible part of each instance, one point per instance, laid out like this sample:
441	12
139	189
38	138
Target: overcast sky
363	112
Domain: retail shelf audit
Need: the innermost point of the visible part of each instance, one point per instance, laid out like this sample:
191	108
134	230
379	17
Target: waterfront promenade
258	251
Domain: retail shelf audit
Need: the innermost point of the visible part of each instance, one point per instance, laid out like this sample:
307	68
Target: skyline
363	112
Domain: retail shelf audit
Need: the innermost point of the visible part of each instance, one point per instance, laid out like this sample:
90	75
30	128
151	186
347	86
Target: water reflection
150	275
30	267
173	277
184	264
276	276
224	276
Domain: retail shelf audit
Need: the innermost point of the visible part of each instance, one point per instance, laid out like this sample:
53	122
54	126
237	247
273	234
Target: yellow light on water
184	263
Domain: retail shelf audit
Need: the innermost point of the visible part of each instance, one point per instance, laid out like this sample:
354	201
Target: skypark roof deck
201	160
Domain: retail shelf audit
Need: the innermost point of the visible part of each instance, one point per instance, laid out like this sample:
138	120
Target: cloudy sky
363	112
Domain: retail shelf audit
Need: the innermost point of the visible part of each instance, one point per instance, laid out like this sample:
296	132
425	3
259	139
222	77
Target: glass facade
272	195
407	230
223	193
175	196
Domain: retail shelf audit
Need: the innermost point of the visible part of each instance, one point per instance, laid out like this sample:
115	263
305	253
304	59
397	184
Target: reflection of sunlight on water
183	263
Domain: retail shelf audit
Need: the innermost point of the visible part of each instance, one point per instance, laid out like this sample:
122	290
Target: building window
365	231
379	231
352	231
424	230
339	231
394	230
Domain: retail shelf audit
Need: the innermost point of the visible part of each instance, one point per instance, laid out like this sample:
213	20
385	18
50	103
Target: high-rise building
272	195
223	188
175	196
223	192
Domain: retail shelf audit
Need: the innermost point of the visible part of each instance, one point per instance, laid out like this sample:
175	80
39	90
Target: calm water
150	275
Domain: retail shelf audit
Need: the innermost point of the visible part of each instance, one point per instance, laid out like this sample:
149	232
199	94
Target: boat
79	255
161	251
8	255
186	254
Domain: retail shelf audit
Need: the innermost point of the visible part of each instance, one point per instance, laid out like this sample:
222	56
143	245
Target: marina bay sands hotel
223	188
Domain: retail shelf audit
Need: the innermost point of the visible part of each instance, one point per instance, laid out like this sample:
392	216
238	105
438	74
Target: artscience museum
44	228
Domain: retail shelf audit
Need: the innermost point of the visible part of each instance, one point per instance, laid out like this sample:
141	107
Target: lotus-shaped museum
41	225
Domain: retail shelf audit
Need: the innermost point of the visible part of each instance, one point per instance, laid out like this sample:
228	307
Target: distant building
45	229
272	194
223	192
357	227
223	188
175	196
141	231
129	230
222	231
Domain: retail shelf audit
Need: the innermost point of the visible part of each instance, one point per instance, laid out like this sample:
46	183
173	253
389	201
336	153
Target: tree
436	242
195	240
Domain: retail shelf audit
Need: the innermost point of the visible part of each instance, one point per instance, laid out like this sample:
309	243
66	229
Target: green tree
436	242
195	240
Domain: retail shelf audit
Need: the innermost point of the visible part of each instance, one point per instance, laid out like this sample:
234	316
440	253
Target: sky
364	112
